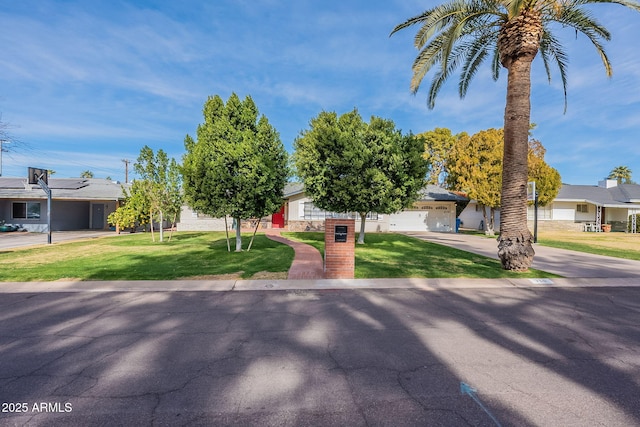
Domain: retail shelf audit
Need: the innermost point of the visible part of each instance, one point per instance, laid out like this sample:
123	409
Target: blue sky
85	84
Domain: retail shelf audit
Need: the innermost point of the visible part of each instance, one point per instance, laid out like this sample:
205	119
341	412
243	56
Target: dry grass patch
620	245
606	240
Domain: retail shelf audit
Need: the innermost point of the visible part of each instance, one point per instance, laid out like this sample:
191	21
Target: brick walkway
307	263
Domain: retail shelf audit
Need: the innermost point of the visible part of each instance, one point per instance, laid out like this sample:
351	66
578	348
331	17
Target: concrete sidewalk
562	262
310	285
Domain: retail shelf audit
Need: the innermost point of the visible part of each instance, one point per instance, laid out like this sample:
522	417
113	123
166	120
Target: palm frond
411	21
426	59
551	50
583	23
439	18
627	3
476	52
495	63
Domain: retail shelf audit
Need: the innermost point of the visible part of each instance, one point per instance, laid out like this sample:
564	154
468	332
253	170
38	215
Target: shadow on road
344	357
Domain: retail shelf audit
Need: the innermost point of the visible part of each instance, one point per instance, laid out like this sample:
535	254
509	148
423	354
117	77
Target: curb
310	285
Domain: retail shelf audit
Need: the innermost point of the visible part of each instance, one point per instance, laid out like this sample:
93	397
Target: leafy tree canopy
237	166
474	165
547	179
157	192
437	144
348	165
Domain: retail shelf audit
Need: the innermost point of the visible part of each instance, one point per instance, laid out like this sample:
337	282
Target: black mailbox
340	233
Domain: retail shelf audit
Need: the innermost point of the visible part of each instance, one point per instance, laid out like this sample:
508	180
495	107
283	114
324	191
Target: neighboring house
434	211
472	218
76	203
577	207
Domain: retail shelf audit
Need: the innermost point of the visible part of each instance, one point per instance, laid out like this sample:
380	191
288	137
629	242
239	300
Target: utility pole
2	141
126	170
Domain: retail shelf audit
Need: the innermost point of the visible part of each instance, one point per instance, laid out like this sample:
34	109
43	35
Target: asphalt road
536	356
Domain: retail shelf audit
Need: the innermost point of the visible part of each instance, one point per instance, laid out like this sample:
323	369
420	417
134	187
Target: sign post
41	178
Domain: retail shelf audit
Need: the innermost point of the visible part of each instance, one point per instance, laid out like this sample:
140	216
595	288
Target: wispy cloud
102	80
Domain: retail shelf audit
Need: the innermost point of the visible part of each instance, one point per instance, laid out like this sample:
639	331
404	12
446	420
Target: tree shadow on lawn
342	357
208	259
394	255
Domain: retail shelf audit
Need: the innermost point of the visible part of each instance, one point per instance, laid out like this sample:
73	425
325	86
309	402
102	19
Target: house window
26	210
584	208
311	212
544	212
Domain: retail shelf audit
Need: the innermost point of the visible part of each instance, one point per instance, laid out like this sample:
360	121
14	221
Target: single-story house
76	203
435	210
576	207
579	205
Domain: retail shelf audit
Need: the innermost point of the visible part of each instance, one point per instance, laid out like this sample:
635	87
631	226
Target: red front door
277	219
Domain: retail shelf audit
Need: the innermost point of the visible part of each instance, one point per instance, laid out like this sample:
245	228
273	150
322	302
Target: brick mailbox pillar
339	248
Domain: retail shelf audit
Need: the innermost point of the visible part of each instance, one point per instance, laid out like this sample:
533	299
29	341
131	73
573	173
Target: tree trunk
153	237
238	236
515	242
488	222
492	221
161	230
518	42
226	230
255	230
363	218
173	225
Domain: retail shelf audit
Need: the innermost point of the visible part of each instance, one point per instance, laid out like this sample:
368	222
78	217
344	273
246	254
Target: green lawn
200	255
136	257
393	255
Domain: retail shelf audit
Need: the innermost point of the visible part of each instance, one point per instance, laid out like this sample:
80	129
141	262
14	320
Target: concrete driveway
558	261
19	239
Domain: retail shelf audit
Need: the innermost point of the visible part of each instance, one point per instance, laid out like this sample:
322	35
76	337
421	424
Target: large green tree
156	194
348	165
237	166
474	165
437	144
547	178
135	210
510	33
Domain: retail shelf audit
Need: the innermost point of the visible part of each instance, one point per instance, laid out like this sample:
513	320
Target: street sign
531	191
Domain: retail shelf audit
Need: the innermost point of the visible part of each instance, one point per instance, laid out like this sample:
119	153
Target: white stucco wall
192	221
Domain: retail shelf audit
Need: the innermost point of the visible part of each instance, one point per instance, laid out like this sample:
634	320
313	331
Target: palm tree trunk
515	242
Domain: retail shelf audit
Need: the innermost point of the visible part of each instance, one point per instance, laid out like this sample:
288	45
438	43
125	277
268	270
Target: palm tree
464	33
621	174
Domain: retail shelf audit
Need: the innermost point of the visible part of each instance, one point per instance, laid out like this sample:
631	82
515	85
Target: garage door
409	221
422	220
